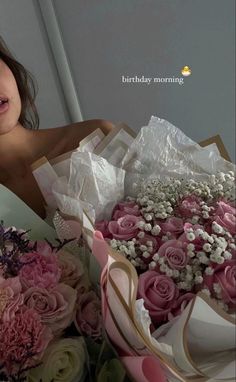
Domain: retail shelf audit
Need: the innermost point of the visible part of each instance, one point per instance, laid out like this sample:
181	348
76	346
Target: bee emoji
186	71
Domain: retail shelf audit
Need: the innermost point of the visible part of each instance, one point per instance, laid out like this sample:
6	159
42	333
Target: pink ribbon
145	368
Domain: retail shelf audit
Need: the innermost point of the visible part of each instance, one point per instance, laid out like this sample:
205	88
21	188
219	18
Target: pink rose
159	293
224	275
125	208
175	253
180	304
190	206
55	307
125	228
10	298
39	271
88	318
21	336
71	268
225	216
102	226
173	225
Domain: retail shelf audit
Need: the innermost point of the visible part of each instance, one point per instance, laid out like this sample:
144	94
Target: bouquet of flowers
165	239
180	237
50	315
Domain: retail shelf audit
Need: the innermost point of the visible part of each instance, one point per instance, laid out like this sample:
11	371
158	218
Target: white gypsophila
113	243
156	257
190	236
207	247
206	292
198	279
217	228
134	262
152	265
169	272
195	219
148	217
217	288
156	230
175	273
189	276
160	197
143	248
163	268
150	249
148	227
190	247
191	254
141	224
141	235
203	258
146	254
227	255
220	260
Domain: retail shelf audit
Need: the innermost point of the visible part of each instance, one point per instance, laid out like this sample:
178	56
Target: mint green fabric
14	212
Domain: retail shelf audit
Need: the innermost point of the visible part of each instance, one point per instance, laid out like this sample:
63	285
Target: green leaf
112	371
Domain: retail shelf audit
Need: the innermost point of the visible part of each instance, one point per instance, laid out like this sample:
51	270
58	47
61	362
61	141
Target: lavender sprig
13	244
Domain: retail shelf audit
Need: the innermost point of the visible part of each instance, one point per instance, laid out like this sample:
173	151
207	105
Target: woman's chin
6	128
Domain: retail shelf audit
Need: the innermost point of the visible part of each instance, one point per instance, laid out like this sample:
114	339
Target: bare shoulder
84	128
62	139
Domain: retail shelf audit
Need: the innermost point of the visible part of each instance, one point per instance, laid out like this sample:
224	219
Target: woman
21	143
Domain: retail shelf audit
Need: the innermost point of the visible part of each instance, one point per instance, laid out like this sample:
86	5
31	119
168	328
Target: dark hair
27	88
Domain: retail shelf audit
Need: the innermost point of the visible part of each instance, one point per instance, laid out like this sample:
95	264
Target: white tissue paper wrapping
160	150
95	186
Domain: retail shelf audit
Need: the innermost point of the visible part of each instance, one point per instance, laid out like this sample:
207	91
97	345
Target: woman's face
9	111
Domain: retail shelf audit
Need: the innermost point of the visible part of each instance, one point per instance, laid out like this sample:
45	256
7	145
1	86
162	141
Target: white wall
107	38
22	28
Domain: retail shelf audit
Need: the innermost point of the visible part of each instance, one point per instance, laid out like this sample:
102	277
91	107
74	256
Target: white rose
63	361
71	268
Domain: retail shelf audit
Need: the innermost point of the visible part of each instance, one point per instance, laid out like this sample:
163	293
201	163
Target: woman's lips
4	106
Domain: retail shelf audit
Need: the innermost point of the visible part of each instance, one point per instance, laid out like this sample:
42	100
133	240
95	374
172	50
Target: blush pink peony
39	271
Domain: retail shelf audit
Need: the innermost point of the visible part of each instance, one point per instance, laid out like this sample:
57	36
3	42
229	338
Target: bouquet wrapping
50	314
191	340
